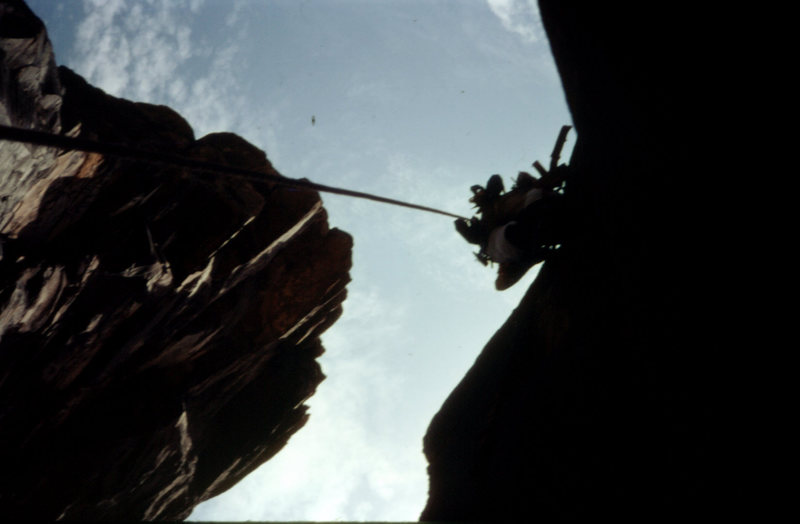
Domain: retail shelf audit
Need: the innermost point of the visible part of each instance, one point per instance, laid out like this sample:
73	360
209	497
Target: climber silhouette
519	228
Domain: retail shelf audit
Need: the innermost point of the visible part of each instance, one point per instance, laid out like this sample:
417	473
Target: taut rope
41	138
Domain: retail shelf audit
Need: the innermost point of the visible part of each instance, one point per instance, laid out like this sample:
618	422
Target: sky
411	99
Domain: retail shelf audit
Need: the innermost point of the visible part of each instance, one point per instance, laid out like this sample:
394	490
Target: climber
519	228
516	228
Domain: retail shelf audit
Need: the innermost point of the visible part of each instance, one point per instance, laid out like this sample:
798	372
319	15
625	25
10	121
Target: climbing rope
41	138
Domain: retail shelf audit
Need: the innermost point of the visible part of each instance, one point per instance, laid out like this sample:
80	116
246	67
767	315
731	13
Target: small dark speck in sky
313	120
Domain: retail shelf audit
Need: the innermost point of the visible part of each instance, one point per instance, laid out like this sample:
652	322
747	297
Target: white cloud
519	16
131	49
195	5
233	17
143	52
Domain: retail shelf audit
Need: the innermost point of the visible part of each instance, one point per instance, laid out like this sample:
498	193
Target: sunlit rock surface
614	388
158	327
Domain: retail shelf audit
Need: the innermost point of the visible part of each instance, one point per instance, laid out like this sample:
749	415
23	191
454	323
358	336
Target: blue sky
412	99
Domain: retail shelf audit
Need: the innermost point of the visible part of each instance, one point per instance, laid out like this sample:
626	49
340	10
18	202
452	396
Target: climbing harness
41	138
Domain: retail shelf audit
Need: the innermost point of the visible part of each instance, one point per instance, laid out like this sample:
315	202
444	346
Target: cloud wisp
520	17
150	52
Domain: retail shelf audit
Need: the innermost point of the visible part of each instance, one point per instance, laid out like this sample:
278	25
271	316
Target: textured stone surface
158	327
31	92
612	388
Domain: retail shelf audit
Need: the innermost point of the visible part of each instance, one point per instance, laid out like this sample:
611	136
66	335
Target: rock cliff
158	327
610	391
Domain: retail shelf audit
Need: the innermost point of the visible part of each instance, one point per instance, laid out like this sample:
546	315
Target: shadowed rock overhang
159	328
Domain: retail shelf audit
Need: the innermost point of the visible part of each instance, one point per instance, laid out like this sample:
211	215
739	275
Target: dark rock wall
158	327
609	390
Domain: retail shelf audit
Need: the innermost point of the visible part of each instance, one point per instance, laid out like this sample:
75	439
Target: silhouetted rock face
606	391
158	327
